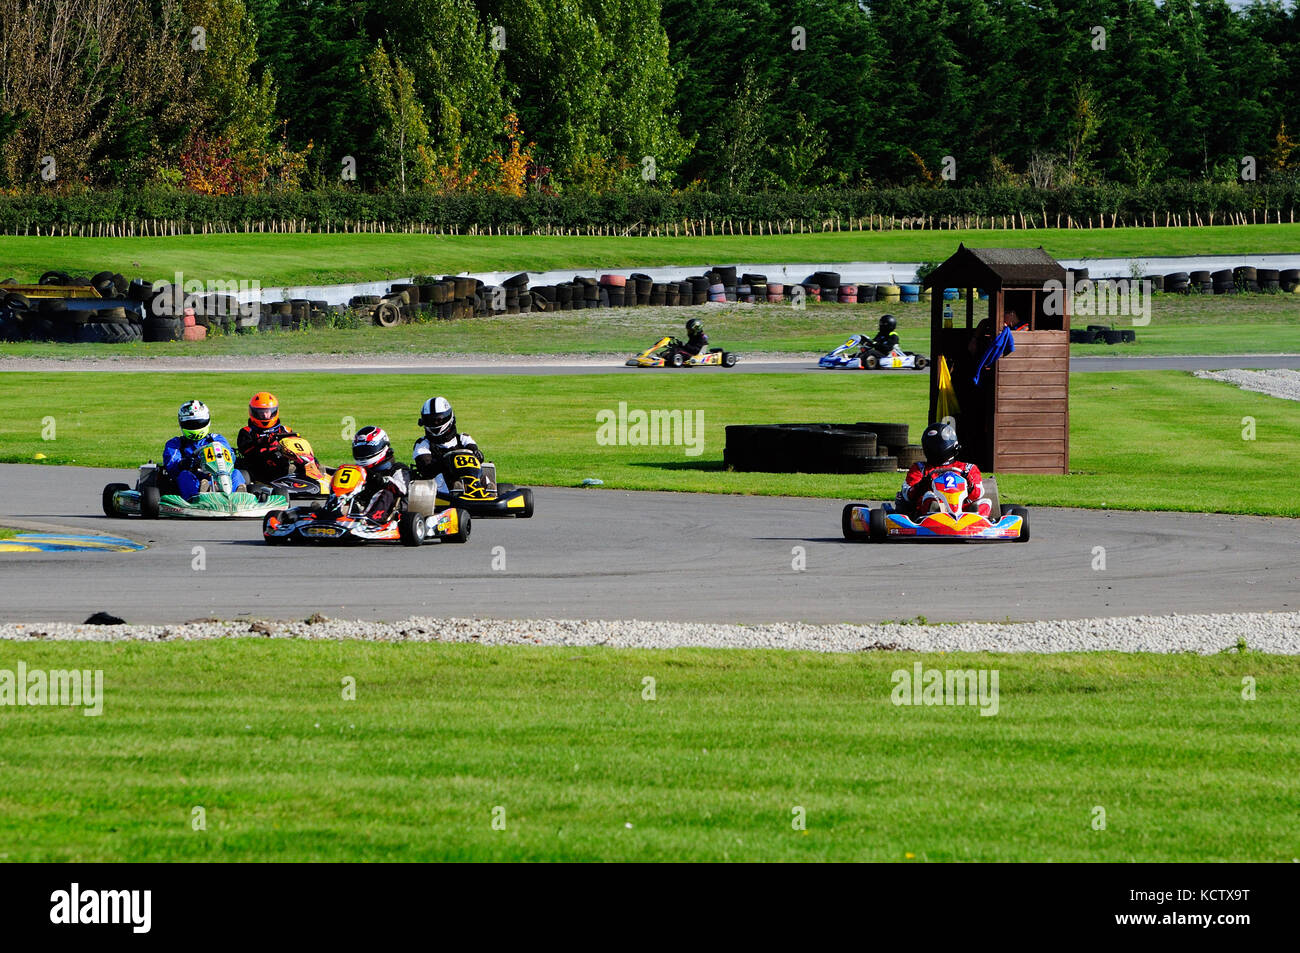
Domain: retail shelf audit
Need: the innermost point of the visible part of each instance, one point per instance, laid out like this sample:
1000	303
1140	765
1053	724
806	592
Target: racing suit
386	486
882	344
259	454
917	482
694	345
181	463
430	457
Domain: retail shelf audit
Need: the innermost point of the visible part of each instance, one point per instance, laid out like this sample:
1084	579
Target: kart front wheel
846	523
462	528
677	360
278	516
870	362
877	527
527	511
110	508
149	502
728	359
1024	521
411	529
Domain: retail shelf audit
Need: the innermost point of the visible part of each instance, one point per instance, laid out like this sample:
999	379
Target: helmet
263	411
888	323
370	447
437	418
940	444
694	326
194	418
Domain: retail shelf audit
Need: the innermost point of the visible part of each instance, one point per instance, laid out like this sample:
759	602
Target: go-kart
306	478
856	354
222	501
474	488
666	352
339	520
940	515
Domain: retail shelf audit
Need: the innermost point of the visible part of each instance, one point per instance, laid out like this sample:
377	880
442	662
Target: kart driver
259	442
940	445
386	483
440	440
181	454
696	340
886	338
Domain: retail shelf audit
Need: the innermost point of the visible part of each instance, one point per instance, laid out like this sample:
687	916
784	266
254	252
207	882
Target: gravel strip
1277	633
1276	383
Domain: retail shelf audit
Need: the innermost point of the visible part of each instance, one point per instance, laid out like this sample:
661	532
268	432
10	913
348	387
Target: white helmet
438	419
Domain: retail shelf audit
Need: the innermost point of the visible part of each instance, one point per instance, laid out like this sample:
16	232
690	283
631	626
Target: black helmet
370	447
438	419
694	326
940	444
888	323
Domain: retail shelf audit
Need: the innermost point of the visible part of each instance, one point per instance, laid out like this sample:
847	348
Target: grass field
330	259
1159	440
259	736
1253	324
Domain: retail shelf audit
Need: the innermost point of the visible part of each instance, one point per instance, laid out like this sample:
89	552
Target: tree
399	115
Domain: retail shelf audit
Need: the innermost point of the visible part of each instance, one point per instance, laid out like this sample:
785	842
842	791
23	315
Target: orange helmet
263	411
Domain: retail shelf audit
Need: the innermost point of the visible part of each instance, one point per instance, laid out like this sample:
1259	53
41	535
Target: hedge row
145	212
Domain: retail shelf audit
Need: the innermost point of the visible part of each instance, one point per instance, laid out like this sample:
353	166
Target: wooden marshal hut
1017	419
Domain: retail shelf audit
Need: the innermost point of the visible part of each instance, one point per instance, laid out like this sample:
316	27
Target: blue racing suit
181	462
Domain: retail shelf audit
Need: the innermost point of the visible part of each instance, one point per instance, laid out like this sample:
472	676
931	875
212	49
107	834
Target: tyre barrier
814	448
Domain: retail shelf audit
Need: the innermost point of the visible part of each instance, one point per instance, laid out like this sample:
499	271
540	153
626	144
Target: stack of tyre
114	317
1101	334
864	447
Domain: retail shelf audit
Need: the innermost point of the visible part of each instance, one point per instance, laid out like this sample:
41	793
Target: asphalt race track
602	554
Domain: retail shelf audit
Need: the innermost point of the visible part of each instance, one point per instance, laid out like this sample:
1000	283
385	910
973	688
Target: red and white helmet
370	447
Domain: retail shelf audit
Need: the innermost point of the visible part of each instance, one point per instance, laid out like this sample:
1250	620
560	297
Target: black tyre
876	524
728	359
411	529
887	434
462	533
387	315
110	509
149	496
123	333
921	363
677	359
871	362
163	329
527	511
277	515
846	523
909	454
1024	526
55	278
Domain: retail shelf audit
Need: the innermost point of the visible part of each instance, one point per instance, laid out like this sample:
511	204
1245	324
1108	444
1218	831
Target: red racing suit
917	482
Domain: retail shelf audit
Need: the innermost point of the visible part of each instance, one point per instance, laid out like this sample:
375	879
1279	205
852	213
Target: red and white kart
940	515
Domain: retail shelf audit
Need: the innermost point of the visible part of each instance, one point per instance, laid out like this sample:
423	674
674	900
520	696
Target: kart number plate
321	531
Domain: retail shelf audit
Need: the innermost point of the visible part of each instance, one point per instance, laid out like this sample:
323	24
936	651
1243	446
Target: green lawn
258	735
1159	440
328	259
1179	325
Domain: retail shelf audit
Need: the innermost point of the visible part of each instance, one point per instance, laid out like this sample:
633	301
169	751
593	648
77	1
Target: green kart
222	501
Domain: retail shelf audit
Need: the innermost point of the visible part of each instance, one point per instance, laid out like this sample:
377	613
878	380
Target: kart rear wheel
461	535
1024	524
411	529
527	511
846	523
278	516
870	362
110	508
728	359
149	502
677	360
921	363
878	531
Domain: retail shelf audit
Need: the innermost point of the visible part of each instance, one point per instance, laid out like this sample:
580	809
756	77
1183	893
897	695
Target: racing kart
222	501
339	520
473	488
666	352
306	478
856	354
940	515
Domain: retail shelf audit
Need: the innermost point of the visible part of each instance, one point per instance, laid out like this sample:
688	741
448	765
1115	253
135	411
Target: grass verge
562	745
1247	324
331	259
1160	440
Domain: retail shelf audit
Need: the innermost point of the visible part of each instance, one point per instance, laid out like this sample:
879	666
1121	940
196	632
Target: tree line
592	97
